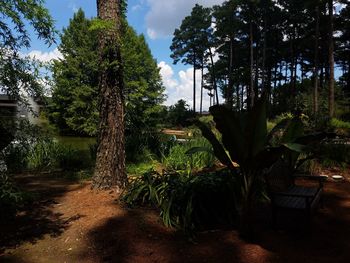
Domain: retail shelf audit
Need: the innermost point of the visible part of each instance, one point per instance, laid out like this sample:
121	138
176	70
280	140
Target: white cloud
136	8
45	56
151	33
181	86
166	15
72	6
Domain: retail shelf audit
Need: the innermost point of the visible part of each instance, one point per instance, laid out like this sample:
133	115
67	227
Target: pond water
79	143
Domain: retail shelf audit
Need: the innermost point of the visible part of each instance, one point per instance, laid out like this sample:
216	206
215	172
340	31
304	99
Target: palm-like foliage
246	142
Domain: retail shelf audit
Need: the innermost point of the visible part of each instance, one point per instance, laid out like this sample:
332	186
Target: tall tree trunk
264	55
268	82
322	76
275	77
194	82
315	68
229	92
256	75
251	88
110	158
286	73
280	74
302	70
202	84
238	98
331	62
348	78
213	75
293	70
242	97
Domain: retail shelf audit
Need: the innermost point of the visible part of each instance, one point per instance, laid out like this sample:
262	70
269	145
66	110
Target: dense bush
11	197
179	114
331	155
189	202
49	154
25	135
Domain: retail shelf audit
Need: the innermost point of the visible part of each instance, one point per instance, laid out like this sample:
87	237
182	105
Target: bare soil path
72	223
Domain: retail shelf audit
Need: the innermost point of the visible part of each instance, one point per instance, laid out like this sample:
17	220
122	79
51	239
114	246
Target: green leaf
294	130
296	147
256	129
229	125
194	150
219	150
279	126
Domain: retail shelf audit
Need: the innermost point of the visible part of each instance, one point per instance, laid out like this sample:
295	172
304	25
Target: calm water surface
79	143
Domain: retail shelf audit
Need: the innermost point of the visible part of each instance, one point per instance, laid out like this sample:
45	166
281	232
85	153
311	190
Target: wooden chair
286	195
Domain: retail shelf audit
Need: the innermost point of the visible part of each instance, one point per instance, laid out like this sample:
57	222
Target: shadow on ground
138	236
324	239
36	220
111	233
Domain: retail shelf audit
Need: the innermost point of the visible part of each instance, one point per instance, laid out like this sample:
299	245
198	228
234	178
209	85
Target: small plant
44	154
49	154
181	158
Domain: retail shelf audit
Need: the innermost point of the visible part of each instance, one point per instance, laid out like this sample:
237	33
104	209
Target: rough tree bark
110	159
194	82
331	62
202	84
214	76
251	88
229	92
315	68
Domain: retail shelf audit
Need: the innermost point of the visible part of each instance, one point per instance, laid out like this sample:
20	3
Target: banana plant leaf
218	149
294	130
255	130
296	147
228	124
282	125
194	150
314	138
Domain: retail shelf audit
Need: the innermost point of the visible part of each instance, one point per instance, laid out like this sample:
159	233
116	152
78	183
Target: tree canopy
16	71
74	99
285	48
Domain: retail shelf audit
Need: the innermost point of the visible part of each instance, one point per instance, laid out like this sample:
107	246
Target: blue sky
156	19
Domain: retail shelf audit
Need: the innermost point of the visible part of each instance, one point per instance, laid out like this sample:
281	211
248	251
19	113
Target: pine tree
190	41
110	158
74	97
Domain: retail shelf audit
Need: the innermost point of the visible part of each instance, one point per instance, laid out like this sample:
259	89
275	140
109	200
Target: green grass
140	168
336	123
178	159
341	127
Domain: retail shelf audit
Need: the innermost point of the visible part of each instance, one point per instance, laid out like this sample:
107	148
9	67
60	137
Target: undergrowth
187	202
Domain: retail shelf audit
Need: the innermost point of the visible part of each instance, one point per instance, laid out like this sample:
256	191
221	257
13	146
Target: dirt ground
72	223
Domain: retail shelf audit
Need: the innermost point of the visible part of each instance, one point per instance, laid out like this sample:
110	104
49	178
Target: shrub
49	154
179	157
185	201
340	127
11	198
25	136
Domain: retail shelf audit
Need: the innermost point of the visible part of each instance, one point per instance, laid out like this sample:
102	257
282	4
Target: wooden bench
286	195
